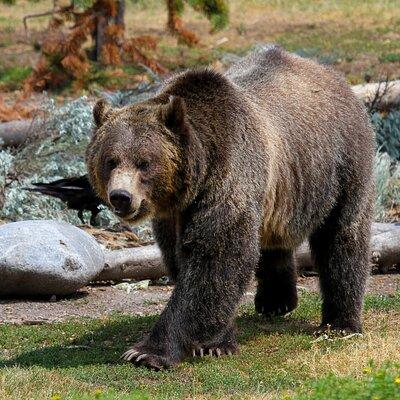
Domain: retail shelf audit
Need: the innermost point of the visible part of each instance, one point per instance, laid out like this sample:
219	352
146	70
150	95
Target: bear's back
289	87
277	70
318	133
304	105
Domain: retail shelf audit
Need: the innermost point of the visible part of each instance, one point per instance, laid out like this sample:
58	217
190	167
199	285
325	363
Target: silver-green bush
61	155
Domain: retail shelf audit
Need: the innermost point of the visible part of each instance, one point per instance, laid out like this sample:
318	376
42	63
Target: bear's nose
121	201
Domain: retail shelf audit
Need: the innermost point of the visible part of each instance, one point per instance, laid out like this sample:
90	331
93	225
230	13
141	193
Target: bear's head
140	159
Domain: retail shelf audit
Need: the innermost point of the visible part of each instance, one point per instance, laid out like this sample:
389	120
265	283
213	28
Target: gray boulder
46	258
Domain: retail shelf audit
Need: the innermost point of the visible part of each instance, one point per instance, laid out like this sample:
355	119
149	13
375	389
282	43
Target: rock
46	258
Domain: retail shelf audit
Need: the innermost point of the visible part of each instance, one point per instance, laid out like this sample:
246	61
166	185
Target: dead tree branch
381	96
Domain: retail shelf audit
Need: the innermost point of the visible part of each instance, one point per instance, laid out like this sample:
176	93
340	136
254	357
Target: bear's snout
121	201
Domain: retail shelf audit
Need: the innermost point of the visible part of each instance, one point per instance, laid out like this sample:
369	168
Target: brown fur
243	167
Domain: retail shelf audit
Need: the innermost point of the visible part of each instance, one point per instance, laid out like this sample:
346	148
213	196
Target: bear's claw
149	360
129	354
225	346
280	311
213	351
272	304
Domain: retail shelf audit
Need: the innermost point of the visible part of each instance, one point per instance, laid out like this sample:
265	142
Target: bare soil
101	300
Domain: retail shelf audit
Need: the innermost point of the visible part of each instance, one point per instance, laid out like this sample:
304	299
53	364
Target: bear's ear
173	114
101	112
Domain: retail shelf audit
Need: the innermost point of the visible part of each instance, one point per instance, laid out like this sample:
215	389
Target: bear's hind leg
276	288
341	248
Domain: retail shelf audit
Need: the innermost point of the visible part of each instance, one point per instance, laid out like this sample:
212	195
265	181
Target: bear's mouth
139	214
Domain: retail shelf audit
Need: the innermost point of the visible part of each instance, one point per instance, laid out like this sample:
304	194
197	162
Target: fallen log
15	133
133	263
385	249
385	246
145	262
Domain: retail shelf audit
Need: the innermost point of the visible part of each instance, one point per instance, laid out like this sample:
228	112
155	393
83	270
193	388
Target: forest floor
97	300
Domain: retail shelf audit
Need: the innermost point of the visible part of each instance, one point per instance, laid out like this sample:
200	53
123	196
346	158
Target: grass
383	383
7	24
357	36
12	78
279	359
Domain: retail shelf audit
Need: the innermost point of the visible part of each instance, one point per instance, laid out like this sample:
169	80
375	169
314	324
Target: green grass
7	22
377	384
344	41
389	58
278	358
12	78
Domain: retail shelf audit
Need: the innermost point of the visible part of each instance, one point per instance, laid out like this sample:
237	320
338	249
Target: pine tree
215	10
64	58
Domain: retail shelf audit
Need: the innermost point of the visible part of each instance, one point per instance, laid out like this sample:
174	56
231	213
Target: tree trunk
172	16
120	17
100	36
103	21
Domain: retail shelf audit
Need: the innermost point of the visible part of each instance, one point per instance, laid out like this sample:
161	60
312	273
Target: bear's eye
111	164
143	165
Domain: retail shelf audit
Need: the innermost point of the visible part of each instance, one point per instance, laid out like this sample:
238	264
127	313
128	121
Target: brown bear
236	170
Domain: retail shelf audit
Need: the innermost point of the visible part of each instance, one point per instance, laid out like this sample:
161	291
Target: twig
43	14
372	105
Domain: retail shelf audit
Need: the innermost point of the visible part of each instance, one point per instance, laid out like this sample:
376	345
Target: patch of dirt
90	301
97	301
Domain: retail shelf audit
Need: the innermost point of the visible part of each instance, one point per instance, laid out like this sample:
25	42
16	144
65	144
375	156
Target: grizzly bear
236	170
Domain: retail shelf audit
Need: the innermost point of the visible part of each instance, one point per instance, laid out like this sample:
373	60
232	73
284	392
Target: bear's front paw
226	346
142	354
344	326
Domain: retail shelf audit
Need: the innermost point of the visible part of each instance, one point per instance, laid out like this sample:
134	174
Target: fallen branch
380	96
38	15
145	262
55	10
388	94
